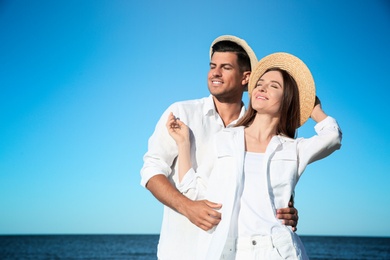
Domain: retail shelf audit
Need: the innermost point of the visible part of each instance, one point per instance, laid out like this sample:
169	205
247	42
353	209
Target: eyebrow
223	64
272	81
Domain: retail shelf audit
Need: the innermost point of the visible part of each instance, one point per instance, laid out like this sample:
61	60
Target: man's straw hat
298	70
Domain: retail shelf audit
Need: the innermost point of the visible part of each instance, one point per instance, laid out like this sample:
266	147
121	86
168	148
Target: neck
260	133
228	110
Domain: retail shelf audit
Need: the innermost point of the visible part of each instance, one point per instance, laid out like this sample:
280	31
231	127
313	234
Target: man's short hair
242	57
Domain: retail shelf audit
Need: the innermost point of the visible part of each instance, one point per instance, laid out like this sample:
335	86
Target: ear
245	78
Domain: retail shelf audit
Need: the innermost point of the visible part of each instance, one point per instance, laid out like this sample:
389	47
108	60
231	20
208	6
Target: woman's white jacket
221	179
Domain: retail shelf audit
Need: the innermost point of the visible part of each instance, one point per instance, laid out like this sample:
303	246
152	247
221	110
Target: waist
265	242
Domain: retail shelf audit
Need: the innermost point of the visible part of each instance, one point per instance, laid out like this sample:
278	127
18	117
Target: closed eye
227	67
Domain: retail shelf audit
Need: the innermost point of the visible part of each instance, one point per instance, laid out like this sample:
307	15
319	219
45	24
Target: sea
144	247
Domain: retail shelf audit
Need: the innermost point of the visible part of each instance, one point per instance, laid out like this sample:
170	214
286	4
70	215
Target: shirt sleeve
194	183
162	150
190	187
327	140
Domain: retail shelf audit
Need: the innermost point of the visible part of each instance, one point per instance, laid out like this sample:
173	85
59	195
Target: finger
294	229
213	204
211	221
287	217
206	225
168	124
178	123
291	223
171	116
171	120
205	228
174	124
215	214
286	211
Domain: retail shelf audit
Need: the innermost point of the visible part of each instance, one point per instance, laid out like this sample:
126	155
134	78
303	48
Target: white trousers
283	245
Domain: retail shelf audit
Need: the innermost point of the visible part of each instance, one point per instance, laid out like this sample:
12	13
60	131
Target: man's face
225	80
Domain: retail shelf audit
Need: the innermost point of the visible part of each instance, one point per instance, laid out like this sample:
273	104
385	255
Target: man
230	68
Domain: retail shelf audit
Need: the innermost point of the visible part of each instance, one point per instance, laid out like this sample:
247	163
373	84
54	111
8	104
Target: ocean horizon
144	246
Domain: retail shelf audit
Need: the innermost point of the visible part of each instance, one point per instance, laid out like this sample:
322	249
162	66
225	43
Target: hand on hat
318	114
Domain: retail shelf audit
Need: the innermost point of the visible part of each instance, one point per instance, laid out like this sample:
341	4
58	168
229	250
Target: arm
158	162
202	213
181	134
290	215
192	186
327	140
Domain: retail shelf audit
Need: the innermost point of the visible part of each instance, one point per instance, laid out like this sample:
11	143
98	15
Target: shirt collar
209	109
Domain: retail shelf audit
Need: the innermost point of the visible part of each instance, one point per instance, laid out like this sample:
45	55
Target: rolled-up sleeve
194	185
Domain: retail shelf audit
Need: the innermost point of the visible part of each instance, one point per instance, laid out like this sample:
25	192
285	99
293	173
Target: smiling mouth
217	82
261	97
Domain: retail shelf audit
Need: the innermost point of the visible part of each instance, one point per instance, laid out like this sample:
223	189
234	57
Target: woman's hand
318	114
178	130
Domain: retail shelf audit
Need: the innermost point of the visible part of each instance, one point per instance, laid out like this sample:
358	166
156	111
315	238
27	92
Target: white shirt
178	236
254	218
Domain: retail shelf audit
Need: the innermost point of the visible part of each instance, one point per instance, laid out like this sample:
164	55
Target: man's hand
202	213
289	216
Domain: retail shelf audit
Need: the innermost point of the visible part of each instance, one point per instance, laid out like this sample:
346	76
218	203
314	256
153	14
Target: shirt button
254	242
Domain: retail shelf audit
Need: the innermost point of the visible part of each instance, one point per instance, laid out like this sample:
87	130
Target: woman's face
267	96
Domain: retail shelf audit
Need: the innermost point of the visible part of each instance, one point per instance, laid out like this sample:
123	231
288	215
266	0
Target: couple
230	69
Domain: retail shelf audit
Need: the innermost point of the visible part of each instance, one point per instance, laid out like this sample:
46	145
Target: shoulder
288	143
286	139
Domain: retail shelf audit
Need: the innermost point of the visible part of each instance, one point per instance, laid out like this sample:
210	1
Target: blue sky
82	84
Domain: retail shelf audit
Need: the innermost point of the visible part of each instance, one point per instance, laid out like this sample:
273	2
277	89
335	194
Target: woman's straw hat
298	70
242	43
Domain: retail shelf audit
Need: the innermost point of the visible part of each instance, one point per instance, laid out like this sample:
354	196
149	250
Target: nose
262	87
216	72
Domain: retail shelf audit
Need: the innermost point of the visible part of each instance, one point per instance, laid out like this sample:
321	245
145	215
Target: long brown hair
289	109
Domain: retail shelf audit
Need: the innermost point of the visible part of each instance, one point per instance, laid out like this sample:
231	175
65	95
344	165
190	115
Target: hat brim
298	70
242	43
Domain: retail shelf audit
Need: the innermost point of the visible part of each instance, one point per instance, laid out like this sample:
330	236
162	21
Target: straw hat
242	43
298	70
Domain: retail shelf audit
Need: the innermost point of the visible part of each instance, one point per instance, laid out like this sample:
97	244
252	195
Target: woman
255	166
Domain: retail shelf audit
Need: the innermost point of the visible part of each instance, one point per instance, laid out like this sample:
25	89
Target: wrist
182	205
183	145
318	114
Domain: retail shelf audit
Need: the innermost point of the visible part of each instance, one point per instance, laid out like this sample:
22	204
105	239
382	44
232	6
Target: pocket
284	166
286	251
285	155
